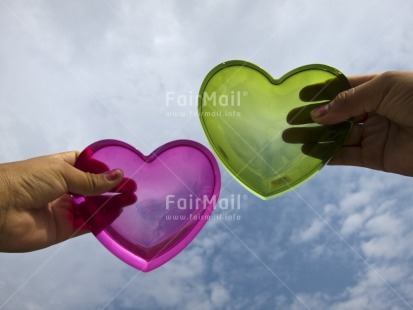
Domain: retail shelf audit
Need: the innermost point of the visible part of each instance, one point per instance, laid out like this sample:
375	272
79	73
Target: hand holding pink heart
177	188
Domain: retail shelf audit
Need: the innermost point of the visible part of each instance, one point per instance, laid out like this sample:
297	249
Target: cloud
355	221
75	72
385	224
309	233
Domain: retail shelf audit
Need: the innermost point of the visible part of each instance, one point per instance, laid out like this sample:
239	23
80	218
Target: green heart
260	127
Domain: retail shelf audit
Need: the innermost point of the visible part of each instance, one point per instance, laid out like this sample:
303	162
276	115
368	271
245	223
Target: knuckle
342	97
93	183
387	81
389	78
389	75
342	103
58	171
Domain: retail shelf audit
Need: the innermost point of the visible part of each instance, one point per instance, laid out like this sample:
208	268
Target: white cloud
382	247
355	221
219	294
309	233
385	224
355	200
74	72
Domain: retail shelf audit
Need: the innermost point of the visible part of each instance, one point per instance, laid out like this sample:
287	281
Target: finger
70	157
111	203
68	222
312	134
322	151
105	209
126	185
97	167
350	103
90	184
357	80
94	166
324	91
301	115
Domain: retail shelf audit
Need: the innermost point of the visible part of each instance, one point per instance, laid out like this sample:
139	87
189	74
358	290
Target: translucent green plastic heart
260	127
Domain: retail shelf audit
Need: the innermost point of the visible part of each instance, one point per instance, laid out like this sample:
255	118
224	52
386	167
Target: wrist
5	195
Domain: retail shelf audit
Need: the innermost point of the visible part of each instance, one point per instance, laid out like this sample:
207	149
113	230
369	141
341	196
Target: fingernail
320	111
113	175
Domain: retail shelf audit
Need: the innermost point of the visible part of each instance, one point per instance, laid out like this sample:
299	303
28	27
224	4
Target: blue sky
74	72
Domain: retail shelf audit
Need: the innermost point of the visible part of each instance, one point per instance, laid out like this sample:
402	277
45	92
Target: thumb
350	103
90	184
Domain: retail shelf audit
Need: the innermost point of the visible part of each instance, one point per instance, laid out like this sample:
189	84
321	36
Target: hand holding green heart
255	123
273	134
382	135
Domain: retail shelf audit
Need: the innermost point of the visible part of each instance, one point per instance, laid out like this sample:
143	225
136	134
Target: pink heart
161	204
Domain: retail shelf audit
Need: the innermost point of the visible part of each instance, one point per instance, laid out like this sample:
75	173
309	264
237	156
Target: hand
36	210
317	141
382	135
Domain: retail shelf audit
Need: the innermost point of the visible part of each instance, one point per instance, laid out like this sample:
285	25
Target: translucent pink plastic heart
161	204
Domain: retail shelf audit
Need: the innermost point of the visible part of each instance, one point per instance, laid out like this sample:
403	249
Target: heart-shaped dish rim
117	249
274	81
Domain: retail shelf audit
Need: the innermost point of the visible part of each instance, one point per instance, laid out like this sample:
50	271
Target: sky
74	72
